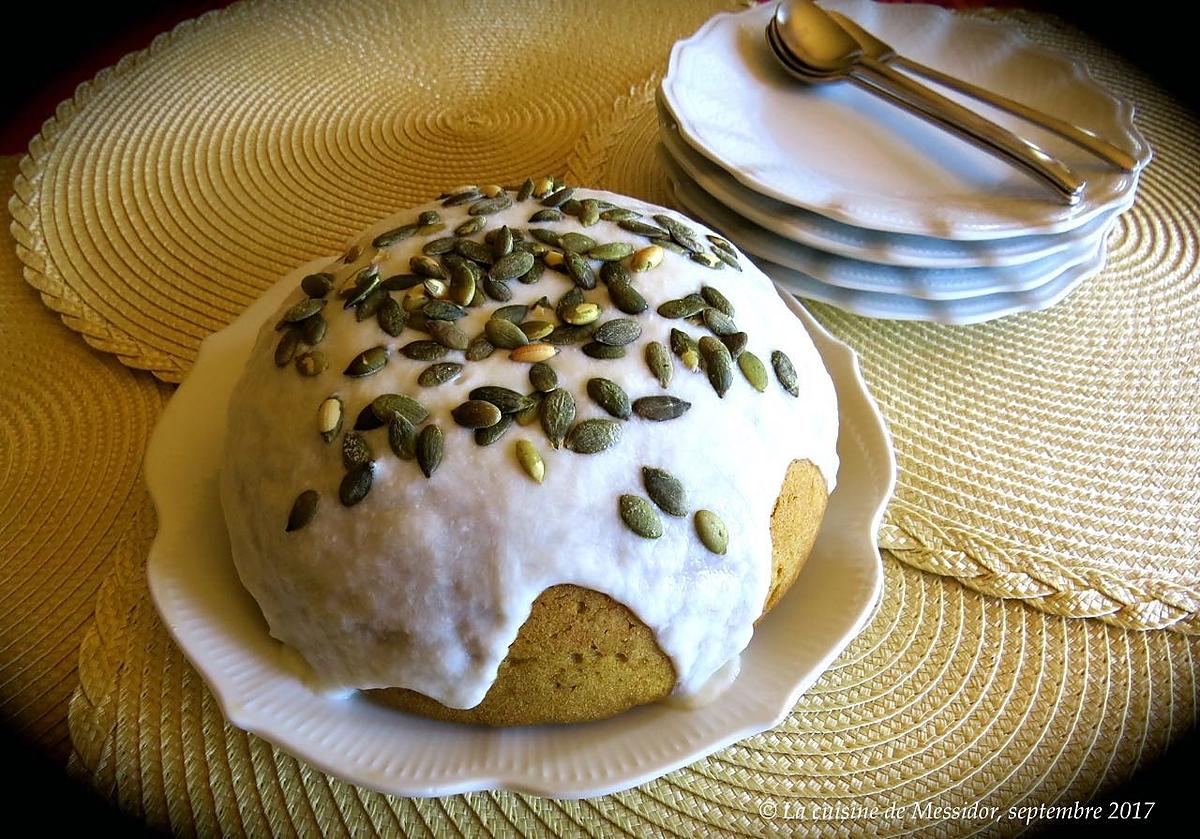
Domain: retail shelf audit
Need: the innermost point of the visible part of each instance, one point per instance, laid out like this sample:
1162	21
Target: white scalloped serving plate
220	629
839	151
943	284
805	227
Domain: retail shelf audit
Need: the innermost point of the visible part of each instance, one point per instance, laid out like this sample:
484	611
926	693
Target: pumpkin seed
646	259
329	418
514	313
592	436
511	266
429	217
753	369
500	241
660	408
683	307
476	413
313	329
431	445
536	330
665	490
557	412
589	212
580	270
611	251
418	321
735	343
367	362
533	274
712	531
642	228
557	197
545	236
439	374
718	322
401	282
626	298
490	205
492	190
717	300
479	349
604	352
506	399
471	226
394	236
317	285
423	350
671	245
304	508
437	247
707	260
462	285
728	258
609	396
443	310
402	437
543	377
387	405
554	261
548	214
462	197
718	363
355	451
472	250
311	363
427	267
618	332
543	187
719	244
785	372
659	362
568	334
618	214
581	314
302	310
356	484
528	416
681	342
531	460
489	435
533	353
640	517
526	190
570	207
680	232
497	290
504	334
285	350
690	359
576	242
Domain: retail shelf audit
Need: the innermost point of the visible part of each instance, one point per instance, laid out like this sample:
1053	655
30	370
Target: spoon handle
919	99
1081	137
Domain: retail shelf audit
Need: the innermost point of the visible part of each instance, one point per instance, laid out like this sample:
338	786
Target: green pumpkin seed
514	313
402	437
474	251
504	334
317	285
507	400
592	436
580	270
356	484
424	350
683	307
304	509
785	372
712	531
462	197
511	266
665	490
418	321
387	405
717	300
531	460
681	342
370	305
753	369
526	190
500	241
448	335
618	332
642	228
576	242
313	330
489	435
329	418
533	274
427	267
567	334
639	516
543	377
401	282
546	215
497	290
528	416
557	412
355	450
660	408
609	396
471	226
367	363
391	317
614	272
603	352
589	212
570	207
285	350
462	285
627	298
557	197
536	330
718	322
611	251
735	343
302	310
479	349
431	443
728	258
488	206
545	236
441	246
680	232
443	310
311	363
429	217
394	236
476	413
718	363
439	374
718	243
659	362
618	214
707	260
671	245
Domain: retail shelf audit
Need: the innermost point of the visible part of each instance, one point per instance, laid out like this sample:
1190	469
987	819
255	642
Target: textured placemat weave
73	424
1051	456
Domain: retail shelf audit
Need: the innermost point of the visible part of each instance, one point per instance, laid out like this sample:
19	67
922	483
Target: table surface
39	675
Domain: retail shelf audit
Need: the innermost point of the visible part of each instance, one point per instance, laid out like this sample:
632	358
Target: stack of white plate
844	198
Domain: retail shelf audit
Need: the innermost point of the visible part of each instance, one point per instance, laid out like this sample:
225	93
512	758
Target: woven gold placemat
73	424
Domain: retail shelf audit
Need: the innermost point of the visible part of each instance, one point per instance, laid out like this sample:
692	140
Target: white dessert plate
854	274
966	310
848	155
808	228
261	688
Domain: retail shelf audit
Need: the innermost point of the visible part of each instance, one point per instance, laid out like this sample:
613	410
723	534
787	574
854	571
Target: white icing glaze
425	583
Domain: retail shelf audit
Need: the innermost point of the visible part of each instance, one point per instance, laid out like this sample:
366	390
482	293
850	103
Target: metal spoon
812	47
884	53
